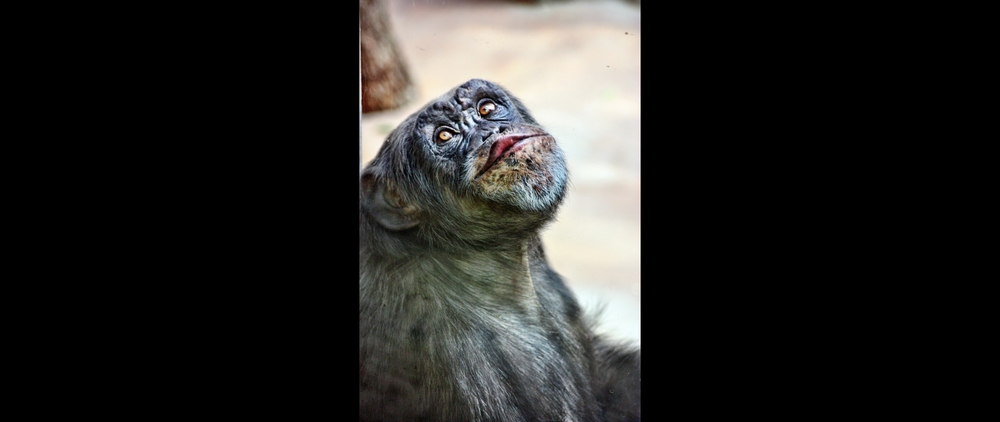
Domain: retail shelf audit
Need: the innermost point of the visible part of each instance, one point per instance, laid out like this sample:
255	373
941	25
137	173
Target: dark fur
462	319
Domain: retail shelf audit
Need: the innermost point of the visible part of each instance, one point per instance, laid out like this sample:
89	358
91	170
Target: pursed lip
505	145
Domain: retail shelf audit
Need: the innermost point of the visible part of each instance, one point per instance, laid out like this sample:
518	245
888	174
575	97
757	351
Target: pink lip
505	145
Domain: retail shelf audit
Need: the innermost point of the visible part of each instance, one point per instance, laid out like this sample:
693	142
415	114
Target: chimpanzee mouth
506	146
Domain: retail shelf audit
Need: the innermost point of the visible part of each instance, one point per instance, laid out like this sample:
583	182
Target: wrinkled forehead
468	94
457	106
465	97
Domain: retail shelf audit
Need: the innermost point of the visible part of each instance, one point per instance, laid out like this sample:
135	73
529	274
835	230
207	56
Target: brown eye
444	135
486	108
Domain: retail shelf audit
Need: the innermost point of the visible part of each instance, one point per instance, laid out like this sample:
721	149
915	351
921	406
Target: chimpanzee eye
445	134
486	108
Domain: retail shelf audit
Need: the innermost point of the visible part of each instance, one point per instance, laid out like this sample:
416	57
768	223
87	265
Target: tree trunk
385	80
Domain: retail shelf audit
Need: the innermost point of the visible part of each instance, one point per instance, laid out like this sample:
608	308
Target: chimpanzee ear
381	199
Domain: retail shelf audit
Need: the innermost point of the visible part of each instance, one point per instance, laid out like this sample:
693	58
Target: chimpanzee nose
484	131
487	129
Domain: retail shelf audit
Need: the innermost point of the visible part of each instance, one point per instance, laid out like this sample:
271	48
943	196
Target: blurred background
575	65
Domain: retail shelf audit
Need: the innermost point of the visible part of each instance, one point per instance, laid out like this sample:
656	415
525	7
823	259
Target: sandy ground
575	65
